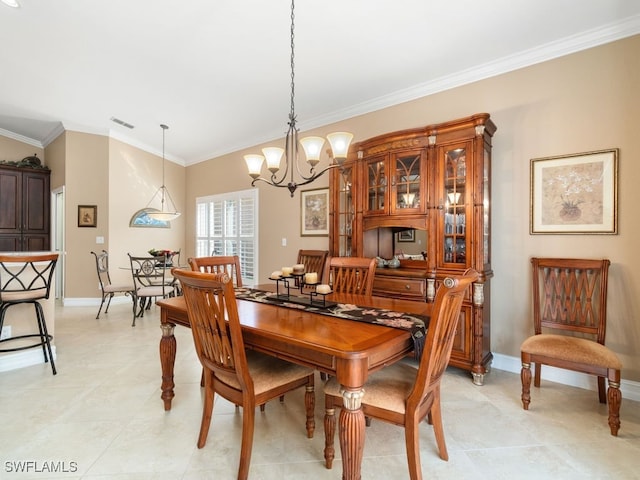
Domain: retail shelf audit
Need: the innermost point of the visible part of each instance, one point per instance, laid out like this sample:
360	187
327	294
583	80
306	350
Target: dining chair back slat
351	274
229	264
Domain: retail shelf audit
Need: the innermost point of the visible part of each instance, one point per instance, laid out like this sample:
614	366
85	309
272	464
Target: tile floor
102	418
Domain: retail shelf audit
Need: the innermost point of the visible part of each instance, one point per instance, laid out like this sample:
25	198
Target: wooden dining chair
314	261
219	264
400	393
351	274
244	377
569	322
108	289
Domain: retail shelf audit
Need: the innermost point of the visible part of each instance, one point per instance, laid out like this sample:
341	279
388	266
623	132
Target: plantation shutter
226	224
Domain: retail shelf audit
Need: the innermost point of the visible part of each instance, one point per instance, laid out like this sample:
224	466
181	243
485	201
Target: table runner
416	325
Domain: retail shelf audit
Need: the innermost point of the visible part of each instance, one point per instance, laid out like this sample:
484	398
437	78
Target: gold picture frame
87	215
314	211
575	194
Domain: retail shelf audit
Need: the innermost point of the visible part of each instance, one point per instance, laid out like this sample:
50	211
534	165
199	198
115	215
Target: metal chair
151	279
108	289
27	279
403	395
570	320
244	377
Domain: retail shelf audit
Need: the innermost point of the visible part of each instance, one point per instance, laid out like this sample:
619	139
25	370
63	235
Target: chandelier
312	146
171	212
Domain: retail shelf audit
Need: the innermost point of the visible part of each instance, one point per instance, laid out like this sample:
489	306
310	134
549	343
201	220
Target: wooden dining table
349	350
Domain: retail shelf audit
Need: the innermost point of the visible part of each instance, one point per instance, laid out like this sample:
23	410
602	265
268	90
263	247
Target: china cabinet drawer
415	288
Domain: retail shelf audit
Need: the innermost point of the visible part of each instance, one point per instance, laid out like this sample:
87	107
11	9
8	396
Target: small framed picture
407	235
87	215
575	194
314	210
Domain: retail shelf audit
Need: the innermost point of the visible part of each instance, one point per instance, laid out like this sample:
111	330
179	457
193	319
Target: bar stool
27	279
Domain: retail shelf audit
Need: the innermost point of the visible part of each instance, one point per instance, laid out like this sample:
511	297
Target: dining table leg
351	424
167	361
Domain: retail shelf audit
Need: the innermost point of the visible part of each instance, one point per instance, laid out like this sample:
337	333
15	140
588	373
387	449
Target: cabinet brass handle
407	286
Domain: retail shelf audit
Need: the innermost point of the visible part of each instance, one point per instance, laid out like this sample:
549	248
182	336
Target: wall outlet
6	332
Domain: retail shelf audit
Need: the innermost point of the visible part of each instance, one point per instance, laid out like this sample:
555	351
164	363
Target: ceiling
218	72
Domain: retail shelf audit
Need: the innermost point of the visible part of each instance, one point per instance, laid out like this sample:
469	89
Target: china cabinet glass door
345	211
407	181
454	224
376	177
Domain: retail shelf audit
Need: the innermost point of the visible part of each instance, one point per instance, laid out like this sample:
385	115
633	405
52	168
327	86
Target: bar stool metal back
27	279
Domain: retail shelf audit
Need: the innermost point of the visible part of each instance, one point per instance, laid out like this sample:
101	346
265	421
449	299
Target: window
227	224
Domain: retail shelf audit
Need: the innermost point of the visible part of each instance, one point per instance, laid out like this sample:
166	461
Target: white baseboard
25	358
630	390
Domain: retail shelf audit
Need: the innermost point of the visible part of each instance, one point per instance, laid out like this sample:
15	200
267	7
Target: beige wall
582	102
13	151
134	177
86	183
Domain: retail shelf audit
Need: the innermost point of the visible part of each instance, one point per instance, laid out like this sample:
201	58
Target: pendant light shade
168	210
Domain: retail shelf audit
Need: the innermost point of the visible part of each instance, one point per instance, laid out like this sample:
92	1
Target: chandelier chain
292	113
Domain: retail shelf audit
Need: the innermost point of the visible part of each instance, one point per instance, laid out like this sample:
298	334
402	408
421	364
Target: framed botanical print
577	193
314	208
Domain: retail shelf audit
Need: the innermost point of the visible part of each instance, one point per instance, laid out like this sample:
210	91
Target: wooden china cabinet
434	179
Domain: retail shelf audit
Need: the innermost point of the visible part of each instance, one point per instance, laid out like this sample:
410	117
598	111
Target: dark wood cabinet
436	179
24	209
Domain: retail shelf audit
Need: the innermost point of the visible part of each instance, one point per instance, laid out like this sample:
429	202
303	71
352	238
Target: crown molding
21	138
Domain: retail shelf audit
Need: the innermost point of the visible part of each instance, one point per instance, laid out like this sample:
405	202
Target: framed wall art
314	208
87	215
407	235
575	194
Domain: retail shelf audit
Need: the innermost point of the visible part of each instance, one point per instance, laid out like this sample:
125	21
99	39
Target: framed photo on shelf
575	194
87	215
407	235
314	210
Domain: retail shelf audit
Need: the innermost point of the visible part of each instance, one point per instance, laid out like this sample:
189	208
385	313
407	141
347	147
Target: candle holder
311	299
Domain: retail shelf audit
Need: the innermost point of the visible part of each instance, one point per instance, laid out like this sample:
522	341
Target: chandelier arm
292	186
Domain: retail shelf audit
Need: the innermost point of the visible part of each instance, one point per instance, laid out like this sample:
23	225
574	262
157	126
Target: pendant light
312	146
170	212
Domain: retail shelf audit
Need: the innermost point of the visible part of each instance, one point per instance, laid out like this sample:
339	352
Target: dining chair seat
153	291
387	389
